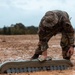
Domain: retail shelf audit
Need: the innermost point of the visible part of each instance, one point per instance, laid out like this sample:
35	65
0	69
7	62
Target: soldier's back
61	13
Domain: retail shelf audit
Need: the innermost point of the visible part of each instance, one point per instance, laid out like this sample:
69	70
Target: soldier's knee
42	46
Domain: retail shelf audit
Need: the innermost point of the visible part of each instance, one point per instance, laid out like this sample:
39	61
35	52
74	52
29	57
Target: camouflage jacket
57	20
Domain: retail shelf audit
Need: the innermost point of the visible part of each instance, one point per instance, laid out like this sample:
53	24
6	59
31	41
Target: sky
30	12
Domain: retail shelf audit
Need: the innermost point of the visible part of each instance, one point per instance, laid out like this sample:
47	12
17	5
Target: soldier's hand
70	51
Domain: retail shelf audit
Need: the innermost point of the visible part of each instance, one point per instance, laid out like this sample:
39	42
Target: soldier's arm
69	31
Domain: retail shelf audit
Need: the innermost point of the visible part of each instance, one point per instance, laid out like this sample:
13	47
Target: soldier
52	23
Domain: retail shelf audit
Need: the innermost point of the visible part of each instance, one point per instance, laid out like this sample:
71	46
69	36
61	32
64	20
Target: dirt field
22	47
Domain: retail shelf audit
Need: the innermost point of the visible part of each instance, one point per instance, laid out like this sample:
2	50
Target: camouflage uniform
52	23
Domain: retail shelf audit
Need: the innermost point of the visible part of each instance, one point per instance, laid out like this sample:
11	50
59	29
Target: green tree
5	30
31	30
9	30
18	29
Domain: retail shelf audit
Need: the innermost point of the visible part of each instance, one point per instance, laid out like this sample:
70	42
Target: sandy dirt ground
22	47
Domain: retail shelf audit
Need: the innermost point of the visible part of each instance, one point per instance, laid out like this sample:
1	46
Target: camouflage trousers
44	37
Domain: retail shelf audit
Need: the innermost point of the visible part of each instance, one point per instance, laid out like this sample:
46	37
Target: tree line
18	29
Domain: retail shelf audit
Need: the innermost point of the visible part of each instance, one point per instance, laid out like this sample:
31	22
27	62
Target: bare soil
22	47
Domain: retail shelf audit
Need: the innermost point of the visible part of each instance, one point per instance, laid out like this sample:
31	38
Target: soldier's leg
42	45
65	47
